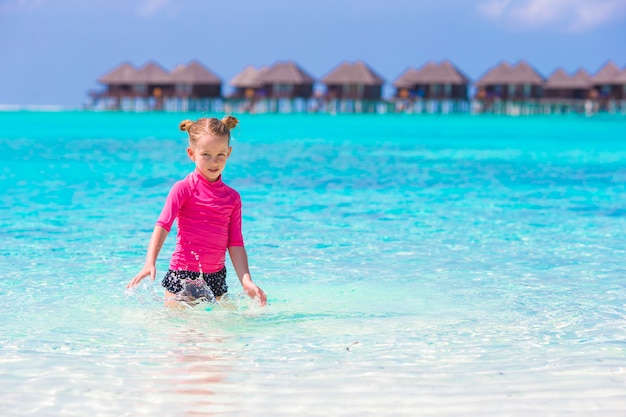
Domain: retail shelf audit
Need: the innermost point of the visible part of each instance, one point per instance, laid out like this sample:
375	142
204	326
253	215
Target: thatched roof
558	79
621	79
357	73
285	73
152	73
432	73
194	73
561	79
503	74
495	75
122	74
444	73
250	77
582	79
405	80
607	74
523	73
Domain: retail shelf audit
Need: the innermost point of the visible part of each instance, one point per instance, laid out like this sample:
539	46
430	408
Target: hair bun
230	121
185	125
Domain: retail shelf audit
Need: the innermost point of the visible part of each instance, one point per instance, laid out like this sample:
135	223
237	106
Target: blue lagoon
414	265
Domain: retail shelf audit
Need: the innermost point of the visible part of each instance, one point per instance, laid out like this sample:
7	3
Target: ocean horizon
439	265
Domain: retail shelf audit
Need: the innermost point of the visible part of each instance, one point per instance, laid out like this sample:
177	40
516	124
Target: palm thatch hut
353	81
442	81
152	80
119	81
405	82
151	87
560	85
286	80
519	82
606	82
248	83
195	81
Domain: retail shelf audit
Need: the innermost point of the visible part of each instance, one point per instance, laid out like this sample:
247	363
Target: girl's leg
170	299
178	301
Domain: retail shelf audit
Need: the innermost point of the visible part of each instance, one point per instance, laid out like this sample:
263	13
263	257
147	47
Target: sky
52	52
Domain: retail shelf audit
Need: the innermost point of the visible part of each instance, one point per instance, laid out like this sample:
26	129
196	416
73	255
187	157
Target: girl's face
210	154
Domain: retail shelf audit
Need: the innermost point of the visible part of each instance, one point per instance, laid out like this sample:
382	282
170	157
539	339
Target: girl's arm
154	247
239	258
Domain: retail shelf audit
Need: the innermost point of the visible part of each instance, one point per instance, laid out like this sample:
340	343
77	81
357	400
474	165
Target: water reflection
201	361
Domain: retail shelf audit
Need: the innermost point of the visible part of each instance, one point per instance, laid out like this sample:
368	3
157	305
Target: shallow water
443	266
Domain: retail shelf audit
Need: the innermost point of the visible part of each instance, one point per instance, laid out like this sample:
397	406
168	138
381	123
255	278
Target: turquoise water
415	265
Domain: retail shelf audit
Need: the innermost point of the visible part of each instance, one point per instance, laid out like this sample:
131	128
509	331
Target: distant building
562	86
433	81
607	84
286	80
155	85
152	80
405	84
353	81
119	81
248	83
354	87
513	83
195	81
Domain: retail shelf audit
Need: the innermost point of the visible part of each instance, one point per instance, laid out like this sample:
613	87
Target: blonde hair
208	125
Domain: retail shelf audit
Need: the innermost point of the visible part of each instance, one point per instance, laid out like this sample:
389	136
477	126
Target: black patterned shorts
185	283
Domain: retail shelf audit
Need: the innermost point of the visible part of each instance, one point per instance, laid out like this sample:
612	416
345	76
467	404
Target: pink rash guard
209	221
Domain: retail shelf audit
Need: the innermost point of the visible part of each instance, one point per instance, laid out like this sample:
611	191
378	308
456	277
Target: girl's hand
147	270
255	292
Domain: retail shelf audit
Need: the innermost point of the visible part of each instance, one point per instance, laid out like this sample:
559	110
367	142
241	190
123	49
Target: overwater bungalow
151	87
608	88
286	80
125	87
433	81
152	80
248	83
562	86
354	81
606	83
404	84
196	88
282	88
118	82
354	87
195	81
564	93
514	83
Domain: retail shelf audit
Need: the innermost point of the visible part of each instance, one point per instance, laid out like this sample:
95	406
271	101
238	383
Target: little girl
209	221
